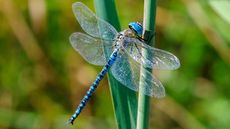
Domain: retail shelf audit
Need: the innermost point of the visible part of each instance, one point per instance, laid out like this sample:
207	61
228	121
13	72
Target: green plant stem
149	29
124	99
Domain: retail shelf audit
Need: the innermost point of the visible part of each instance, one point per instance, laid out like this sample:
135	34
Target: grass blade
149	29
124	99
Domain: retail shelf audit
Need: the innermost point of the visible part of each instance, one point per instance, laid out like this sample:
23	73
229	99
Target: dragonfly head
137	28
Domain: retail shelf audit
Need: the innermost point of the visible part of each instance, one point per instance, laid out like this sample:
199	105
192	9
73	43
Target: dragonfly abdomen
94	86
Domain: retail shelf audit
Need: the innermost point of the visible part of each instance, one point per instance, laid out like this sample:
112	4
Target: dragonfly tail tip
70	122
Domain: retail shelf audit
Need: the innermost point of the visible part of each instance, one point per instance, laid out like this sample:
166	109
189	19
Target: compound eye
131	27
137	28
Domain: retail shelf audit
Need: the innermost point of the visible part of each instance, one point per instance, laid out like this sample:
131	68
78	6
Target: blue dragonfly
126	50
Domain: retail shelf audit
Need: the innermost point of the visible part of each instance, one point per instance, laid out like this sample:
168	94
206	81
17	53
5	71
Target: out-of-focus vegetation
42	78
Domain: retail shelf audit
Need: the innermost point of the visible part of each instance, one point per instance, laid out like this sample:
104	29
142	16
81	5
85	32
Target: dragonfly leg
138	49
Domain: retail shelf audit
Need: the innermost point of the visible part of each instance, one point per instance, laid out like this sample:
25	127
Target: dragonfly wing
127	71
154	58
122	71
152	86
91	49
91	24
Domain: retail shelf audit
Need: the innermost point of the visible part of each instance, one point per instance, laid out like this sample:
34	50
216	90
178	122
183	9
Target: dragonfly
126	52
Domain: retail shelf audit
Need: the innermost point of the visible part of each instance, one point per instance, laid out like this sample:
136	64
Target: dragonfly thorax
123	39
129	33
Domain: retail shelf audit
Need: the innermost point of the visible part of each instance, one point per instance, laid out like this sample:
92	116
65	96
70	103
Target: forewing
91	49
90	23
127	71
151	57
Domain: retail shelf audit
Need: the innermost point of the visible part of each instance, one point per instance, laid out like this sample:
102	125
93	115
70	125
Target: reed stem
149	30
124	99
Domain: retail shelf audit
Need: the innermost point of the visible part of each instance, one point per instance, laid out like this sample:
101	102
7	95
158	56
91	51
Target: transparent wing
127	71
90	23
91	49
156	59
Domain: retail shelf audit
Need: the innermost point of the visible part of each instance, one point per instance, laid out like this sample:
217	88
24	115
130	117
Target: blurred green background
42	79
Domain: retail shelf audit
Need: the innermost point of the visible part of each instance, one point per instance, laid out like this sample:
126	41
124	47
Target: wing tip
73	36
177	63
76	4
159	96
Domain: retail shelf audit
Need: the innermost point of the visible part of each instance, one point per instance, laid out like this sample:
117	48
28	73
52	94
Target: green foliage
42	78
222	8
